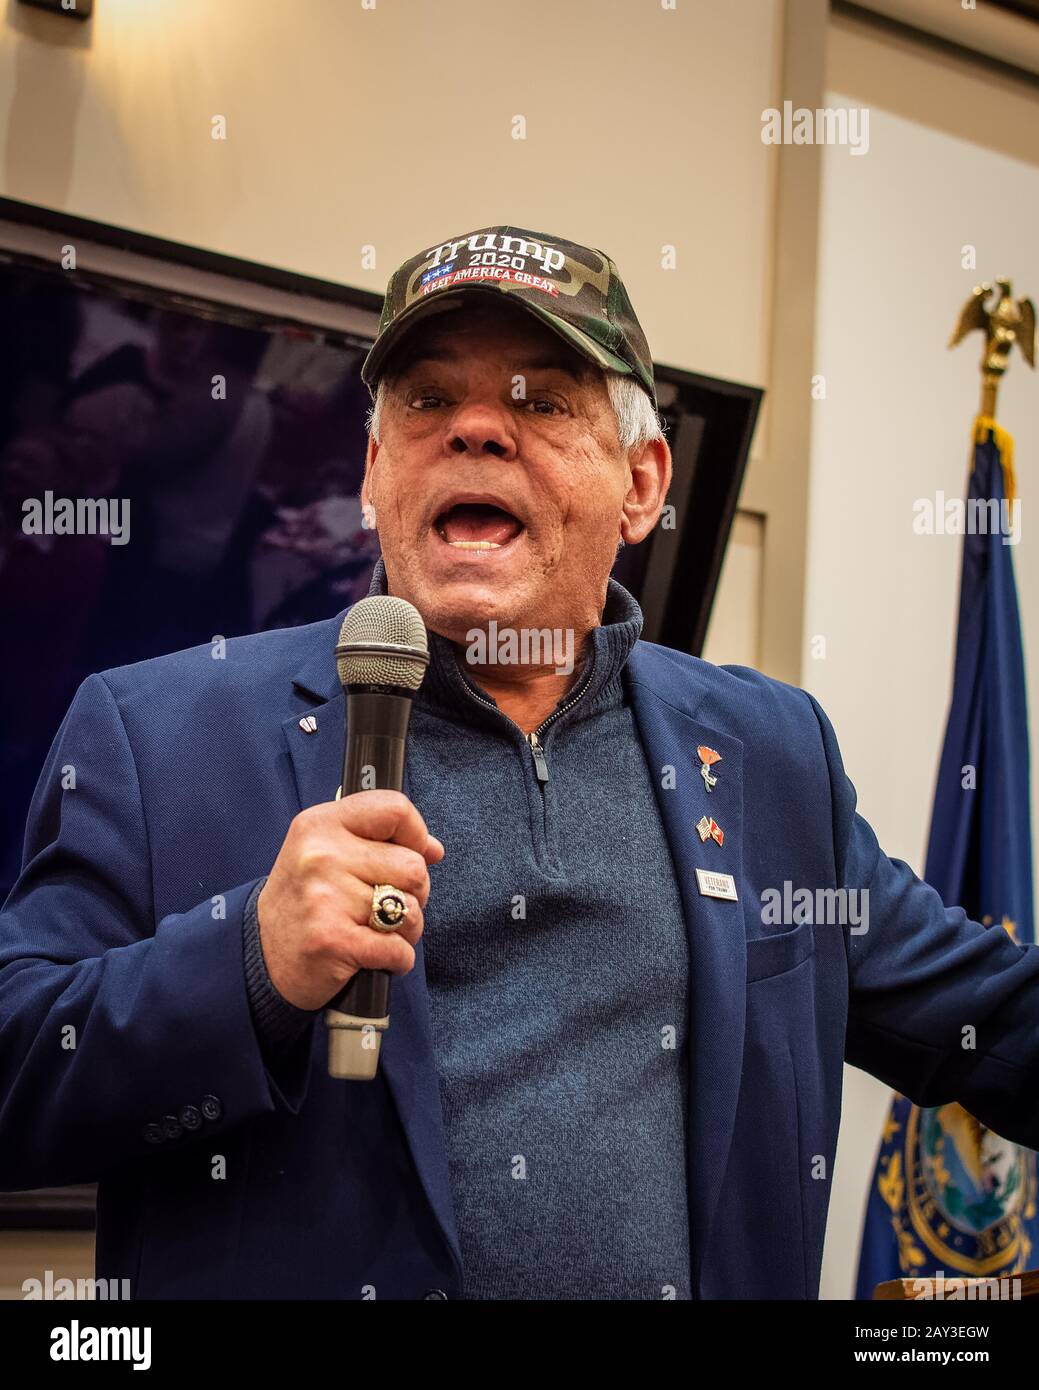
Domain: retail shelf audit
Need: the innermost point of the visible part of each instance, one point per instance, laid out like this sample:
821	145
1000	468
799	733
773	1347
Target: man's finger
384	815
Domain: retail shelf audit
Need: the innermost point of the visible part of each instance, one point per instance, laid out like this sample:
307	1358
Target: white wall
392	127
734	631
895	426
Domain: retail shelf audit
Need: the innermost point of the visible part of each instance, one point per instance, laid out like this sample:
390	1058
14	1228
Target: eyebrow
571	367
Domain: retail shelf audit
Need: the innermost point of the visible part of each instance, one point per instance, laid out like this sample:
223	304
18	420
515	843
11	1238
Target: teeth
475	545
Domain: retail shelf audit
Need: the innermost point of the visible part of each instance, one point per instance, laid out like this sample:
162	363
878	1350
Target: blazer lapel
671	734
407	1062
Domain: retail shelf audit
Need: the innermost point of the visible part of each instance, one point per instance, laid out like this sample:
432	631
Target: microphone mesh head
382	621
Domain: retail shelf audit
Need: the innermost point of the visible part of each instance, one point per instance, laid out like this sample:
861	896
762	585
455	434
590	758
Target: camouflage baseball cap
574	290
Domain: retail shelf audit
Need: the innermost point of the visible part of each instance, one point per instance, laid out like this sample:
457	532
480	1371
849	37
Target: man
610	1073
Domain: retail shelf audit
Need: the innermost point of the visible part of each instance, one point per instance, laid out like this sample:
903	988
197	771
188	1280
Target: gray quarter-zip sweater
557	966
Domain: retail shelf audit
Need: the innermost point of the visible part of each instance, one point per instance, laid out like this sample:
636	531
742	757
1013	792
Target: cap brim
580	341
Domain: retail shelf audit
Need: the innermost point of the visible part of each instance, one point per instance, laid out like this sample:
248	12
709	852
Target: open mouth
477	526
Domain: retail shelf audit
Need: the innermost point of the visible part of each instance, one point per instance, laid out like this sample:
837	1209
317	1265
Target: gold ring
389	908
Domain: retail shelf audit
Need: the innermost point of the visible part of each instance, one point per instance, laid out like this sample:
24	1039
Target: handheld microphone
381	656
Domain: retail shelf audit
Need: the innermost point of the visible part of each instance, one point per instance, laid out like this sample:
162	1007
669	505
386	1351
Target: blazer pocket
768	956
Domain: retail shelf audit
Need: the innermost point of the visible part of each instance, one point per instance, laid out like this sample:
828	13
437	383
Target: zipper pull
540	761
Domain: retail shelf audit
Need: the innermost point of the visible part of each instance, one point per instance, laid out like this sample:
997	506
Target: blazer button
211	1107
153	1134
190	1117
437	1295
171	1127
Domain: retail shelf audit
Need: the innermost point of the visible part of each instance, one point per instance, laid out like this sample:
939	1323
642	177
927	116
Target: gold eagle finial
1005	322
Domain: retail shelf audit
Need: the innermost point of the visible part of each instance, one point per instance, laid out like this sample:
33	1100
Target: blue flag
947	1194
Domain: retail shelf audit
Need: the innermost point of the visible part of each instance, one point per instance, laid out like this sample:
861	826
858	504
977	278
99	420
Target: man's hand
313	910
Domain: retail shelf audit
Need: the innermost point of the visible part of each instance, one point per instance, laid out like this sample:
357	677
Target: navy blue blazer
128	1053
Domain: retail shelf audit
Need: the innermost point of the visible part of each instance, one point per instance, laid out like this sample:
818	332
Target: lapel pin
308	724
717	885
708	757
709	829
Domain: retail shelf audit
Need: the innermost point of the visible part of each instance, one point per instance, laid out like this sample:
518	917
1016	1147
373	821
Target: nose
479	428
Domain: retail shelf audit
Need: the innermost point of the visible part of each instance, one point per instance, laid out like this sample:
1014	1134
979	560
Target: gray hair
637	421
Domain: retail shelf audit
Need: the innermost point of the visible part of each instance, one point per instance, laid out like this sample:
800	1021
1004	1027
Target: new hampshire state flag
947	1193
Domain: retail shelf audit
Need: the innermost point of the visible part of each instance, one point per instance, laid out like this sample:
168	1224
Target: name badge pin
714	885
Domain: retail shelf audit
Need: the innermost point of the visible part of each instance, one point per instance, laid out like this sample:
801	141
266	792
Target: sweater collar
449	688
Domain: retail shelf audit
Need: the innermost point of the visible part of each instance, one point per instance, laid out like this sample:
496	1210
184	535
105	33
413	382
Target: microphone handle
373	758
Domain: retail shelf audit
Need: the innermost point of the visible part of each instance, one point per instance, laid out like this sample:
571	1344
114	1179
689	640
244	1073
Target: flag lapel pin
708	757
708	829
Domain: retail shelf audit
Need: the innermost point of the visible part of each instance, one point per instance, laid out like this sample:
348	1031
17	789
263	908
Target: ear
367	505
650	470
